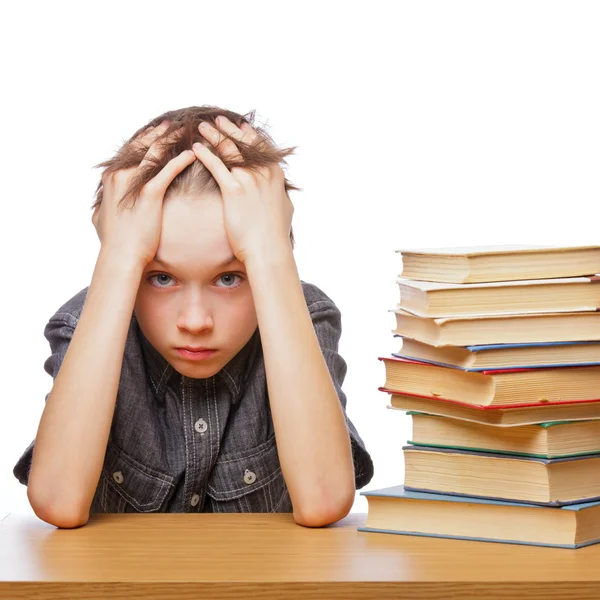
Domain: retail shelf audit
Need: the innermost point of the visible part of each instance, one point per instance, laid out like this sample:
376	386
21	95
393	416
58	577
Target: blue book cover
483	347
399	491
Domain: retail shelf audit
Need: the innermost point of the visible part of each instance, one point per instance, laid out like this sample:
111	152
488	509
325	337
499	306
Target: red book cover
496	407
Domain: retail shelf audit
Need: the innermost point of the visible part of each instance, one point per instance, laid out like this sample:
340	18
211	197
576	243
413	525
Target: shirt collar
234	374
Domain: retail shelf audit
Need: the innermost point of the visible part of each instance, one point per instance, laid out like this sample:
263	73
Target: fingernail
196	146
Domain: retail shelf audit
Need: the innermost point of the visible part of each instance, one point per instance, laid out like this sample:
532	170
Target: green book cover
494	451
545	425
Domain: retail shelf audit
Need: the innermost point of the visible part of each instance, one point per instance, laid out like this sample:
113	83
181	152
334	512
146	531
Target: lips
196	355
192	349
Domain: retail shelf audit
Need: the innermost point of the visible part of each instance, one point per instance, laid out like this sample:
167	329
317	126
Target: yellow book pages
500	417
431	286
494	249
504	477
470	330
429	299
547	440
491	388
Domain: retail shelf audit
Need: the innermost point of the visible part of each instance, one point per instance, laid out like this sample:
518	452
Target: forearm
312	438
73	432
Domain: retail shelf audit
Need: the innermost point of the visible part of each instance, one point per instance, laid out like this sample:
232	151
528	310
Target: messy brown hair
181	133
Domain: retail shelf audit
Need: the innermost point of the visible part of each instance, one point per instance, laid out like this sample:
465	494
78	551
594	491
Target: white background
418	124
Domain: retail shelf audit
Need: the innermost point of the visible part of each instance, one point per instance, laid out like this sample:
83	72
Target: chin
197	371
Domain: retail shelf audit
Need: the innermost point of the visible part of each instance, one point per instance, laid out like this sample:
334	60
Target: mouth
198	354
192	349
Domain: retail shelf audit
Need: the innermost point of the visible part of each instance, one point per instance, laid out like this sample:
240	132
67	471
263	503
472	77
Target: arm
313	441
72	436
312	437
73	432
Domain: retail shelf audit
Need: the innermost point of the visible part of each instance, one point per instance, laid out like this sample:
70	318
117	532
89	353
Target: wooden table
184	556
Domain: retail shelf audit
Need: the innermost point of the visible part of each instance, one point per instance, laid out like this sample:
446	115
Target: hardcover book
395	510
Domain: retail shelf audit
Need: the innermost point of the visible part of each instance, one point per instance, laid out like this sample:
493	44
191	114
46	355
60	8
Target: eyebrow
224	263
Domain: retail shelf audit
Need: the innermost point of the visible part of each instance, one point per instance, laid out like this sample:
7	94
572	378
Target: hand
135	230
256	208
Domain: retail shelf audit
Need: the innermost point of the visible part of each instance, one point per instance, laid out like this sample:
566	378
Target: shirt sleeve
327	321
59	332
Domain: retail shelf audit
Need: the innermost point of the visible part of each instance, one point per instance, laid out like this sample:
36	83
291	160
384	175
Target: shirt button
200	426
118	476
195	500
249	476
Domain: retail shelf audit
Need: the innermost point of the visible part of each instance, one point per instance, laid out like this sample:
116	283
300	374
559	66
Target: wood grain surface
186	556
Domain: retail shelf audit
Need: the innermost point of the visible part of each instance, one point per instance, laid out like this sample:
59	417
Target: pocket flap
143	487
237	474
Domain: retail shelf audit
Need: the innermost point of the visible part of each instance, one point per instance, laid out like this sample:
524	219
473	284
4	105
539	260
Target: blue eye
229	275
159	275
228	278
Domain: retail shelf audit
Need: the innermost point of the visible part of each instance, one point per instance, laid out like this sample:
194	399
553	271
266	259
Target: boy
251	417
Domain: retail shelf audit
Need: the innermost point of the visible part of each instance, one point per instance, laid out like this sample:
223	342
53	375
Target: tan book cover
473	264
436	299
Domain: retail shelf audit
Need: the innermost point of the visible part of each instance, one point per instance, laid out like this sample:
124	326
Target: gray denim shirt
178	444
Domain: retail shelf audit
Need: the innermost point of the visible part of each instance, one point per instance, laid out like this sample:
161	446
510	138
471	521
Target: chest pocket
126	485
248	481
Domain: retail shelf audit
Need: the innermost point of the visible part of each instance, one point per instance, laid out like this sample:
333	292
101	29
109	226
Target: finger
216	167
216	138
154	132
160	182
244	134
158	146
150	133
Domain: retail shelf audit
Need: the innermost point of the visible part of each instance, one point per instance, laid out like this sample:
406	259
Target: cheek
150	312
241	315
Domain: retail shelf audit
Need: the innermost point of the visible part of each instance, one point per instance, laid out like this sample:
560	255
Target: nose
196	314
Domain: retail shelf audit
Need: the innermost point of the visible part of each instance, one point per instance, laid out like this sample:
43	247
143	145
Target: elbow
63	519
324	513
59	515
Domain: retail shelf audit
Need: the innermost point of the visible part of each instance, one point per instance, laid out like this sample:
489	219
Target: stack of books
499	369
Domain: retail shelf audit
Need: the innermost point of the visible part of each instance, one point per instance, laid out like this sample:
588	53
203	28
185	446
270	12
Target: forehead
193	227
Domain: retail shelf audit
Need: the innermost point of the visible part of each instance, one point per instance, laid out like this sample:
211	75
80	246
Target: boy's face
190	300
